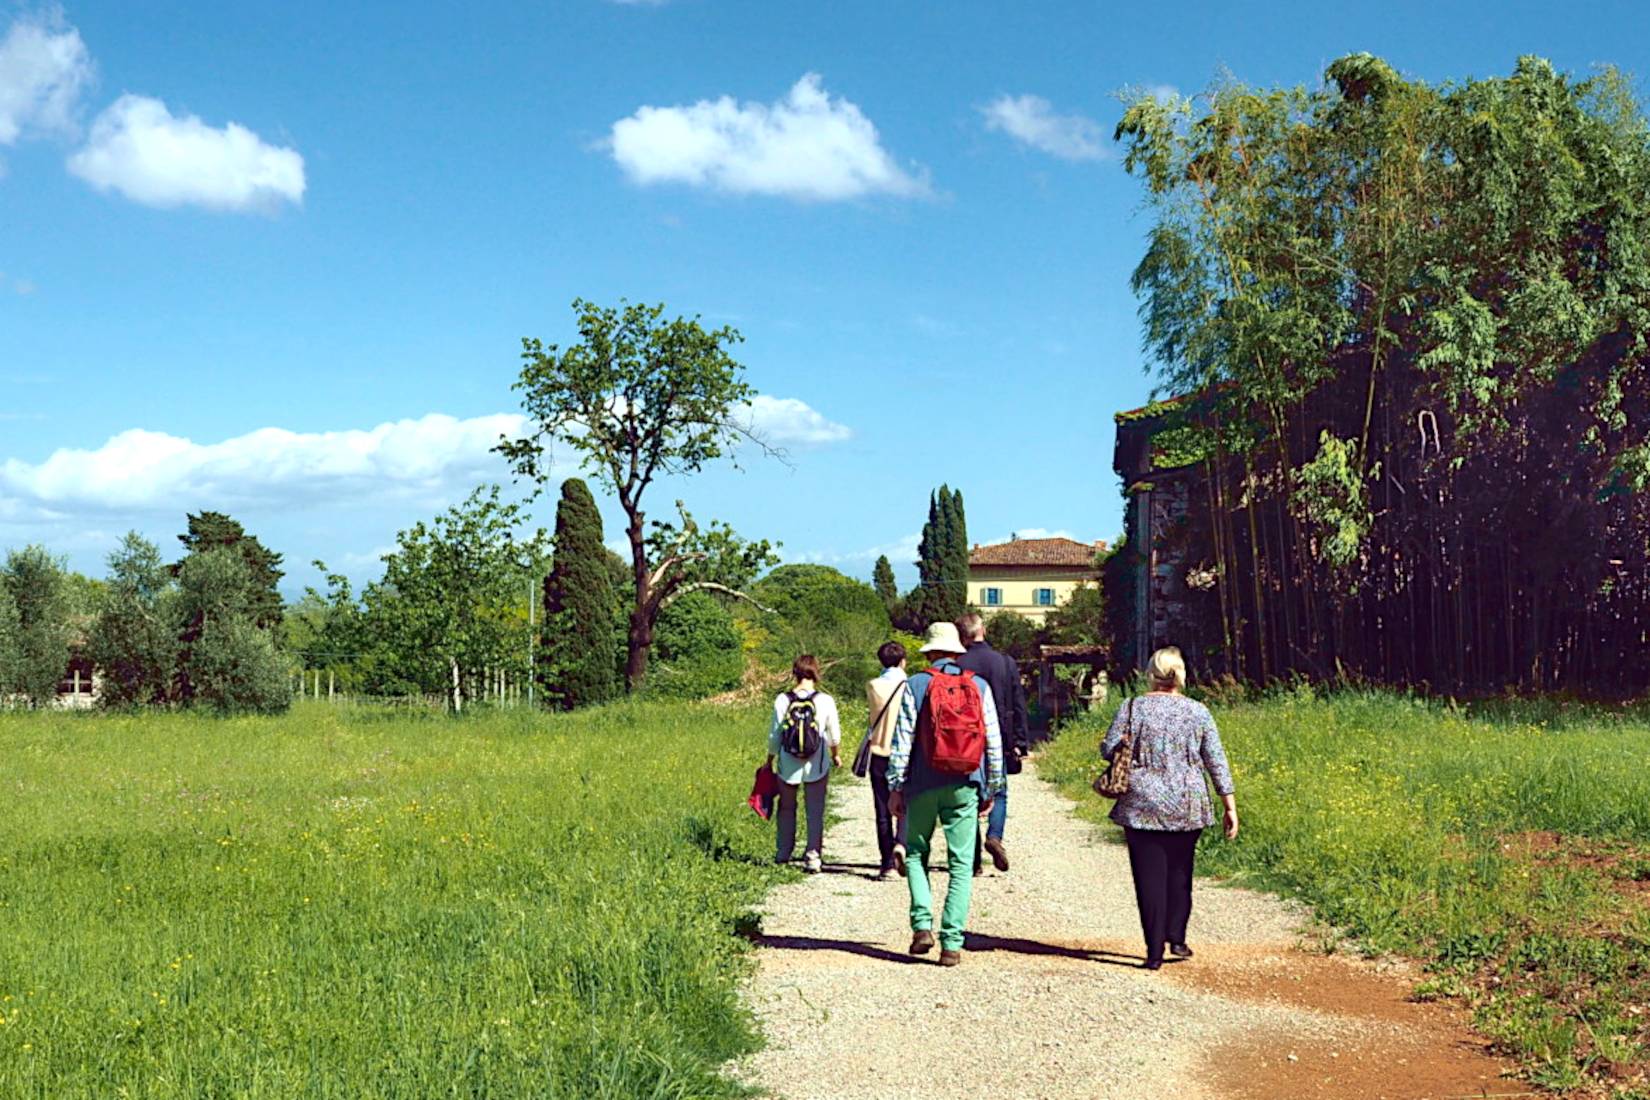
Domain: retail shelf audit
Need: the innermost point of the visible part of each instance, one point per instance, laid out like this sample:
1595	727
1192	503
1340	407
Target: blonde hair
1167	669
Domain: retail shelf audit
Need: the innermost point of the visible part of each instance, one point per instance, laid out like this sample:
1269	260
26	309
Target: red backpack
951	727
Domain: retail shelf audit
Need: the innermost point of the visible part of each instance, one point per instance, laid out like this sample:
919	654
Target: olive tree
640	398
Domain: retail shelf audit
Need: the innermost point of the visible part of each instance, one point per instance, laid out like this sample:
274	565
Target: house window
1045	597
993	597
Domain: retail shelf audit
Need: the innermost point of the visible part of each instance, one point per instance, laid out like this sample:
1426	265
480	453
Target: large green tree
451	605
11	647
263	573
134	642
228	662
38	586
638	398
580	606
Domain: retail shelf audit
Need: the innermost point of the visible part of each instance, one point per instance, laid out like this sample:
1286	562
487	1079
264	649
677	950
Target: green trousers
956	809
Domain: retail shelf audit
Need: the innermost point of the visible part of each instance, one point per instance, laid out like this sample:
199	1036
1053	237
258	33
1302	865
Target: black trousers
1162	866
885	819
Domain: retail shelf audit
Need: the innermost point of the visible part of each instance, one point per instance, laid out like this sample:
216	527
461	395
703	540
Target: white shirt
792	769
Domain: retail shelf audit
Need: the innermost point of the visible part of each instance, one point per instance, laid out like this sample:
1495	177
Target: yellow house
1029	577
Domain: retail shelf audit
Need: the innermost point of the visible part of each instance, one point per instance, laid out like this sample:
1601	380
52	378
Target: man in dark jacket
1002	672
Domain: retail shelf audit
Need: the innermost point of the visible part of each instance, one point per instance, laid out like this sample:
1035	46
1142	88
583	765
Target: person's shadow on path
851	947
979	943
973	942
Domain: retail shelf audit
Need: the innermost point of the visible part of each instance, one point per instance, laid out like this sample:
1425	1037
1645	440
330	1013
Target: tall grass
350	903
1424	828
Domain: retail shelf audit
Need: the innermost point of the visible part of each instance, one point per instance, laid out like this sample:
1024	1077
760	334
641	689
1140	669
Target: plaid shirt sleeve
905	735
994	778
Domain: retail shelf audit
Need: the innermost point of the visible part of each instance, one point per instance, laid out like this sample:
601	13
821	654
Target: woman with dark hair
1174	744
804	742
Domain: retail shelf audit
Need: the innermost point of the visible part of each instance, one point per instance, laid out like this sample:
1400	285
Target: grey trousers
814	797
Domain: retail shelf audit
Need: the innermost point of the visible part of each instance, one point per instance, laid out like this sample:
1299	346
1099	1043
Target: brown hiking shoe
922	941
950	958
999	854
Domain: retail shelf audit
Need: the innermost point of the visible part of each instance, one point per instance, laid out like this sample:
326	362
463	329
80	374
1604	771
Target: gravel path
1049	1000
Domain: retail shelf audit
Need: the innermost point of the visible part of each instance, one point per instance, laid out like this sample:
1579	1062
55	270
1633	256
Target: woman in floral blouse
1174	742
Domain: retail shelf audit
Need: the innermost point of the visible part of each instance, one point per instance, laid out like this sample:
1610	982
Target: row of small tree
197	631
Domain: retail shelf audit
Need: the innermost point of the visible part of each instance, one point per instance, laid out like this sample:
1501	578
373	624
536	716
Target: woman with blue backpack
804	743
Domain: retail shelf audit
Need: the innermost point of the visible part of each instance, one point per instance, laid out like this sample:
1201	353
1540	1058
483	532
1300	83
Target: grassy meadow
355	903
1507	844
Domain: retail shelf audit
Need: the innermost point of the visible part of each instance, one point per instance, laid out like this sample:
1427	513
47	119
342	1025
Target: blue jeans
999	815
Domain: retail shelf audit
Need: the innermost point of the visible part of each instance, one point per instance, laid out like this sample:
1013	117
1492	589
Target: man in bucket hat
928	788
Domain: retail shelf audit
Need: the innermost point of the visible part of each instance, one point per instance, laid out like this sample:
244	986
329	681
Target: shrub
697	650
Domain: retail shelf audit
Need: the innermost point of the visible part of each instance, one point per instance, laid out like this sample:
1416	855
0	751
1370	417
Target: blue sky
276	259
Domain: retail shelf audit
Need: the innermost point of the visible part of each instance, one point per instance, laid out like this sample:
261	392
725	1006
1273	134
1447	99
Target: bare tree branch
711	586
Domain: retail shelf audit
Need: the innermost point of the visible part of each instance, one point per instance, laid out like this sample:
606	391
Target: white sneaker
811	863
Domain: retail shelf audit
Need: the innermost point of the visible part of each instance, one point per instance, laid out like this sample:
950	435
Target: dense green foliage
1410	324
35	583
451	607
882	579
11	644
819	610
1501	843
346	902
639	398
226	660
210	530
580	607
698	649
134	640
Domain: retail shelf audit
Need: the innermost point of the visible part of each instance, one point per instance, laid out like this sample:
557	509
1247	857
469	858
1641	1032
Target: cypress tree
882	579
580	609
924	602
956	558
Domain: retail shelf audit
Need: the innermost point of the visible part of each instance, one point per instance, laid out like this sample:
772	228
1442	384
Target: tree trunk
640	638
458	694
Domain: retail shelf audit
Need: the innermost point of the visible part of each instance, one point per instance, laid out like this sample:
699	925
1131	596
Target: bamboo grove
1407	327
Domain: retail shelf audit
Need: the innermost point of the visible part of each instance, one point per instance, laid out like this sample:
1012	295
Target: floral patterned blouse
1175	743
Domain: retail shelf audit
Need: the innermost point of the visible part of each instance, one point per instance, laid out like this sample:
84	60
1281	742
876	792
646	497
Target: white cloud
142	471
809	146
44	67
1032	533
140	149
1163	93
788	422
1031	120
429	459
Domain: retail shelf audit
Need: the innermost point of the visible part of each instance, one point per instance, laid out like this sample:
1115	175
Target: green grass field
1506	844
352	903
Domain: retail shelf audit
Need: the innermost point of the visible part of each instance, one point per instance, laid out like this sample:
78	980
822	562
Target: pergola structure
1054	694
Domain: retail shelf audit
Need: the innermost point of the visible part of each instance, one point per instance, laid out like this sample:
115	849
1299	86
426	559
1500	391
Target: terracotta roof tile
1063	552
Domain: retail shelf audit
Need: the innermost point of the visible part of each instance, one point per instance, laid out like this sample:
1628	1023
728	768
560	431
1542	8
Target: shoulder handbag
1114	781
862	758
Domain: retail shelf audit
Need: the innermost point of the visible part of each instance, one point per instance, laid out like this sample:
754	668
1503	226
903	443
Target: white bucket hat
942	638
